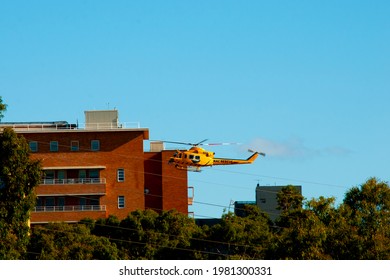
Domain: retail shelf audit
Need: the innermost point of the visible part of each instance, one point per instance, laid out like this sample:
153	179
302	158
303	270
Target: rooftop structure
266	200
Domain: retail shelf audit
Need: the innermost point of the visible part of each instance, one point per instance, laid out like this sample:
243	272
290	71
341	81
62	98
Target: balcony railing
108	125
71	208
73	181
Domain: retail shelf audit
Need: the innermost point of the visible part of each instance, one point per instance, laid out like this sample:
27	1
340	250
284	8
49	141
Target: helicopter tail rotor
260	153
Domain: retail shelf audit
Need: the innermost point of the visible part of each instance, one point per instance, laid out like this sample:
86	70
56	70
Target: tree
150	235
158	236
177	232
289	199
3	108
241	237
300	233
137	235
60	241
19	175
368	211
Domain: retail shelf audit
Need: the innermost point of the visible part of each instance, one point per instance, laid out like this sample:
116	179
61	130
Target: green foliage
60	241
300	235
242	238
3	108
19	175
368	212
149	235
289	199
358	229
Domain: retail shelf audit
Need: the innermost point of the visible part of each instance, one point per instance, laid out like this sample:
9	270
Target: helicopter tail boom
228	161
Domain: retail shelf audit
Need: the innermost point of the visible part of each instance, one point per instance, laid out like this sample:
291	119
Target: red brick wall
44	217
175	185
153	181
118	149
168	186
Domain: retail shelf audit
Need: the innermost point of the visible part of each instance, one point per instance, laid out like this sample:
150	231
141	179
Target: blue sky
307	82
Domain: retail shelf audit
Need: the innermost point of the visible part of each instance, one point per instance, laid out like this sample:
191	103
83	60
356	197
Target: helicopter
196	157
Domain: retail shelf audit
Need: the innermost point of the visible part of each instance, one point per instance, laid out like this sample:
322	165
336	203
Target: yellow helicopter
196	157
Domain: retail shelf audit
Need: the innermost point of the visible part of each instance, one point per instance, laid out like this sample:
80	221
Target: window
82	175
53	146
121	202
49	177
74	146
61	203
95	145
50	202
121	175
61	176
83	201
94	175
33	146
39	202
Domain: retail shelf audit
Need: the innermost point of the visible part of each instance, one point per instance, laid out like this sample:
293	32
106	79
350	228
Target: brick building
100	170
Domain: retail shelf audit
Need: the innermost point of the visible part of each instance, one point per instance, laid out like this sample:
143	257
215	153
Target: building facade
266	201
100	170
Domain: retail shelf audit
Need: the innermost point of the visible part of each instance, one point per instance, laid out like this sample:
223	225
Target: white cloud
294	148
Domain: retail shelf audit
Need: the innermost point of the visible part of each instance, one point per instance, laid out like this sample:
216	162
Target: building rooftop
105	120
65	125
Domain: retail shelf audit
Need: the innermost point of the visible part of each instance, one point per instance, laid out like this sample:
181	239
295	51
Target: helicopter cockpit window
197	157
191	156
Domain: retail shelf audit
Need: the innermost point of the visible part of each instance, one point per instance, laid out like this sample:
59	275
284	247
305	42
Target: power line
131	157
215	169
209	241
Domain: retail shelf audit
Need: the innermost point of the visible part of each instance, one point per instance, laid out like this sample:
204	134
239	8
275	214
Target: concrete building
266	200
100	169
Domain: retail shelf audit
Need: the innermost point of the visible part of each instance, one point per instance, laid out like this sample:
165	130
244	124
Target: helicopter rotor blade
201	143
186	143
181	143
222	144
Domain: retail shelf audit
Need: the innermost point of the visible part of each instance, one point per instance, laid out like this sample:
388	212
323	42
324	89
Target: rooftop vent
101	119
156	146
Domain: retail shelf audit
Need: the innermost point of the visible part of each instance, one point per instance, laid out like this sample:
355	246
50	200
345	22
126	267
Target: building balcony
69	214
73	181
74	186
70	208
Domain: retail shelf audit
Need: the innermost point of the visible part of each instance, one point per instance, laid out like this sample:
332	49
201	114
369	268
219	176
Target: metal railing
71	208
68	126
108	125
73	181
